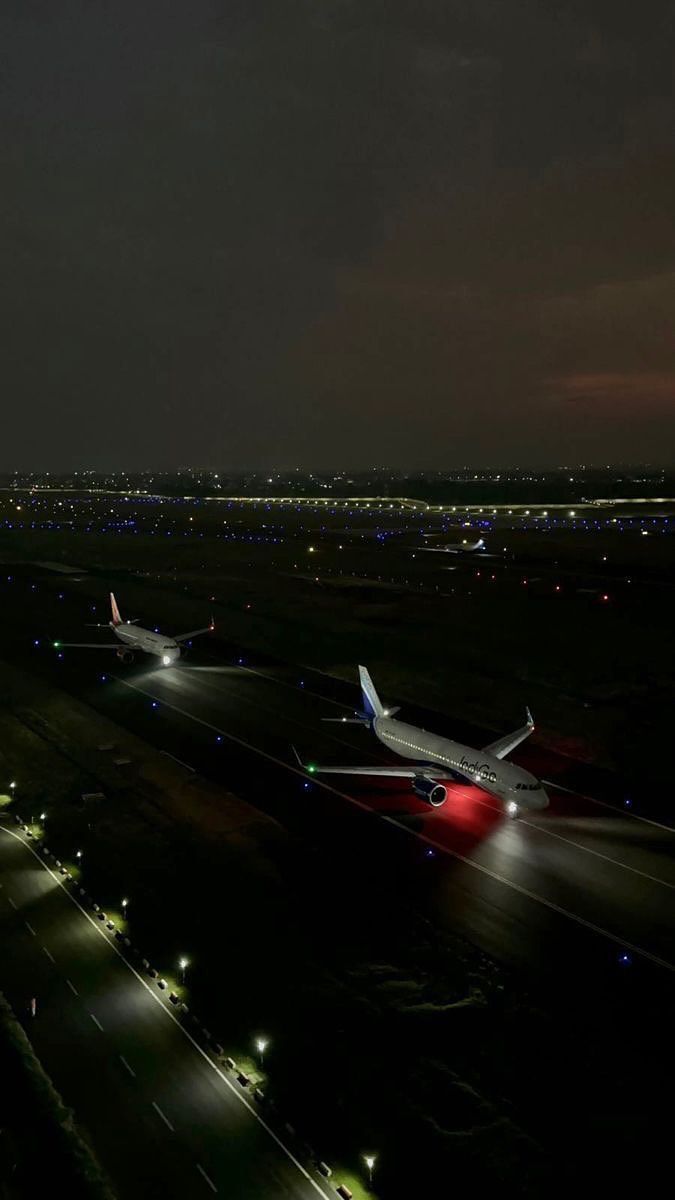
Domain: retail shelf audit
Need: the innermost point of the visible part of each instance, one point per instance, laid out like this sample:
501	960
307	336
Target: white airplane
436	758
134	637
463	547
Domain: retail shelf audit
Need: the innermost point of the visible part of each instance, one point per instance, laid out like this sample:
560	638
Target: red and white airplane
133	637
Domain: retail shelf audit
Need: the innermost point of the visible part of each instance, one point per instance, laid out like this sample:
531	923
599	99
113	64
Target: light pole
124	907
369	1160
182	963
261	1045
78	855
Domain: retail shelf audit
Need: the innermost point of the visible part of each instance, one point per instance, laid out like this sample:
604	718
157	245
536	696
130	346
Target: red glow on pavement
467	818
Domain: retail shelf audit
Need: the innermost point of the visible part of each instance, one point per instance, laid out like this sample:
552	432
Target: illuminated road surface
161	1119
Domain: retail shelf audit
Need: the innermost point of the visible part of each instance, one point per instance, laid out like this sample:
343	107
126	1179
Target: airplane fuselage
135	637
509	783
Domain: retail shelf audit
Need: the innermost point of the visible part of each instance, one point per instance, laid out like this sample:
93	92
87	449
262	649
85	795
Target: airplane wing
86	645
185	637
388	772
391	772
506	744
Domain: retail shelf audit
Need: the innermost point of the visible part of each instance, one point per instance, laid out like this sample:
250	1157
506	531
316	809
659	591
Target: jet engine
125	656
430	790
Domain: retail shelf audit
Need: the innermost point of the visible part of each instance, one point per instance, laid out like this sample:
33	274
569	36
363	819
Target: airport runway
164	1121
586	881
604	872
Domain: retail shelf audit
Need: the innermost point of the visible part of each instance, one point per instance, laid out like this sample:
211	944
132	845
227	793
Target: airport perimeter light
78	855
370	1160
261	1045
124	906
12	786
183	963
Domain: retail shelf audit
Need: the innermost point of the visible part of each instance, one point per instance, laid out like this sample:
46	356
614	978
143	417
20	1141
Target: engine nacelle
125	656
430	790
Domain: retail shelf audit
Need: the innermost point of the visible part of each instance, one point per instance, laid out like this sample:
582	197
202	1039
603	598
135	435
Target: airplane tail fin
116	618
371	701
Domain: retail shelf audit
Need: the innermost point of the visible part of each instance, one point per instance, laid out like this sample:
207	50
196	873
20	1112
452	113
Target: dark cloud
326	231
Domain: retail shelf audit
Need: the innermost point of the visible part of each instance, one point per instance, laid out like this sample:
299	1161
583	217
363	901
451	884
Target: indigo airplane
133	637
436	758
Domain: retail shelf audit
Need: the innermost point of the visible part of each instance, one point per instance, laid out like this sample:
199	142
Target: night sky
316	233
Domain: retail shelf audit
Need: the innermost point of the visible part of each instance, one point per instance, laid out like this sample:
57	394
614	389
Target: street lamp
78	854
12	786
261	1045
124	907
43	816
369	1160
182	963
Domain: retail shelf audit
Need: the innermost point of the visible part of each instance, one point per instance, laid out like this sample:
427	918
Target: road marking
125	1063
203	1174
597	854
50	956
178	760
72	988
172	1017
161	1114
469	862
29	927
12	903
96	1022
624	812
